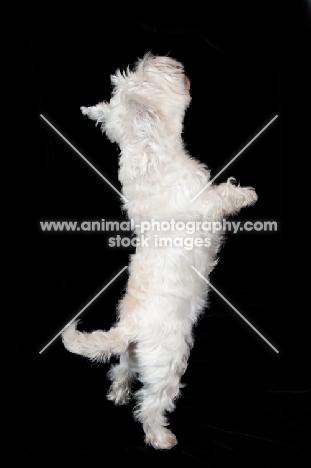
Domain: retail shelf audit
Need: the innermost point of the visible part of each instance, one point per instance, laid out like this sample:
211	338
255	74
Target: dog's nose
187	83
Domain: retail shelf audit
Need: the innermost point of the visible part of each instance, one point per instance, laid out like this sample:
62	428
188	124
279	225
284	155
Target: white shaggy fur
164	295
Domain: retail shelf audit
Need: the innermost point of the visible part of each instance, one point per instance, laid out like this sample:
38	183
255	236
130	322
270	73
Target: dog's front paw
250	196
164	439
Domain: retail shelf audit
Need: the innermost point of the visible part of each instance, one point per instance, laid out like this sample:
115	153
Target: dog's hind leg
160	376
122	376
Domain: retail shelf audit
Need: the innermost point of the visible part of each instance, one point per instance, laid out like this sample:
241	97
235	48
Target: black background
243	403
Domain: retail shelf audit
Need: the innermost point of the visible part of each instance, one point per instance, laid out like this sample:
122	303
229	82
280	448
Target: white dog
164	294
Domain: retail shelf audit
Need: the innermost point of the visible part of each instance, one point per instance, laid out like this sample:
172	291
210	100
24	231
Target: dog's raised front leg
227	199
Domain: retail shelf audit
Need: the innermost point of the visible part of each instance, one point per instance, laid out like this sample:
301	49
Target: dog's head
148	102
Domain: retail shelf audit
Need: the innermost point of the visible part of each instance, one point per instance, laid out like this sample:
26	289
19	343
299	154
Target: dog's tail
97	345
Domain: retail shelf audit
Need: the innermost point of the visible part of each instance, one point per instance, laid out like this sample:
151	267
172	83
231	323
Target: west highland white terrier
165	294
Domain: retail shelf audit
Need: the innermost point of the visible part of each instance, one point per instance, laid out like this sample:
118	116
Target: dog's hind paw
119	396
163	440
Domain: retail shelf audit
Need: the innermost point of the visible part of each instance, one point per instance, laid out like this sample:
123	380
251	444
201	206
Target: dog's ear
98	113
